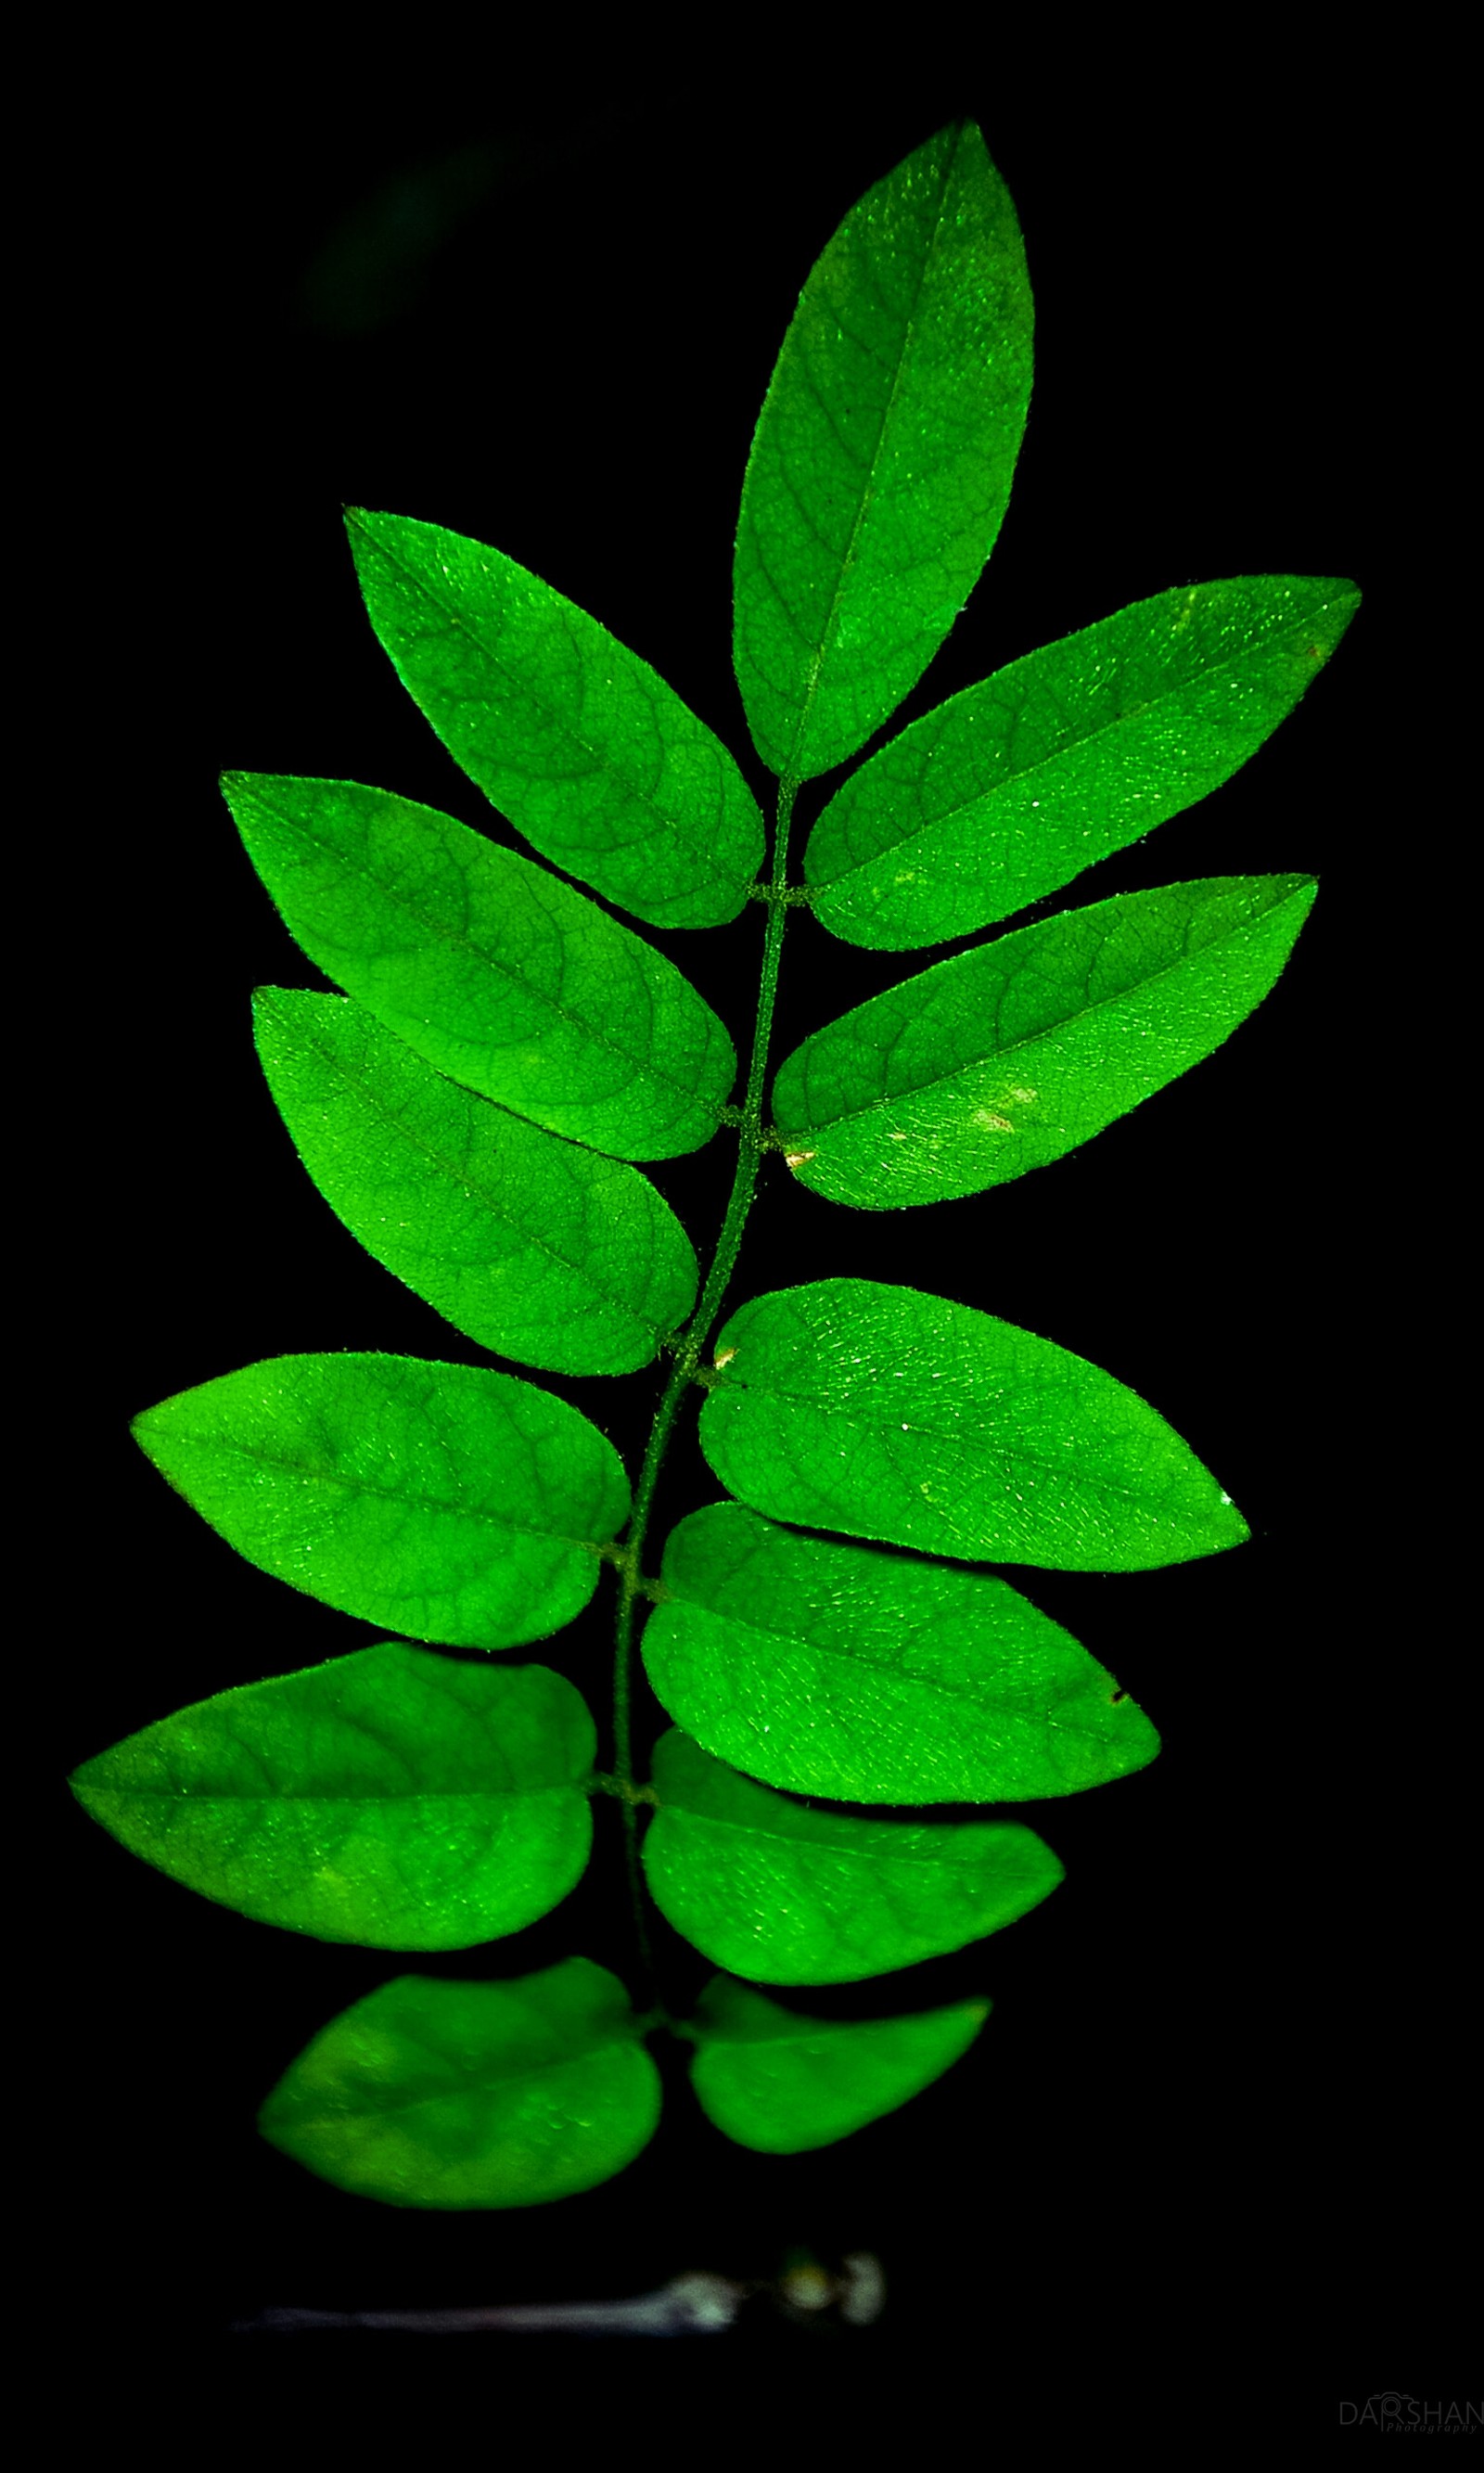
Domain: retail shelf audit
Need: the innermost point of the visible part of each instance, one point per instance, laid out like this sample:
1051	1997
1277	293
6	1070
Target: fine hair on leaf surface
834	1689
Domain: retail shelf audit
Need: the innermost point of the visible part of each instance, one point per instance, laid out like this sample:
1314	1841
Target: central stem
689	1350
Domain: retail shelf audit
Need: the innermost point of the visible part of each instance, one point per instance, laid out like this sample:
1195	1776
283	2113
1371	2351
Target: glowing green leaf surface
840	1671
394	1798
787	1894
533	1247
903	1417
1005	1057
430	2093
782	2083
493	969
575	739
474	1112
1012	789
883	455
441	1501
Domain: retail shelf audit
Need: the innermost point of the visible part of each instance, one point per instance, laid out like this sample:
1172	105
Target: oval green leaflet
841	1670
786	1893
533	1246
502	976
777	2081
882	460
895	1415
395	1799
435	2094
572	736
1013	787
455	1504
1009	1056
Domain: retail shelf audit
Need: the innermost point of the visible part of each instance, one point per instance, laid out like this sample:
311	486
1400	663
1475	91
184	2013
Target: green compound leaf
901	1417
1004	1058
782	2083
771	1889
493	969
575	739
883	454
430	2093
533	1247
394	1798
841	1670
442	1500
1012	789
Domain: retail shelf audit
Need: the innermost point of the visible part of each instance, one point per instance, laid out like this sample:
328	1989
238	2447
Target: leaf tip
141	1431
1233	1520
359	523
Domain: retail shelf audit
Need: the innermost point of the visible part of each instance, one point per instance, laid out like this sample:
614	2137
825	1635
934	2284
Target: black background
546	318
